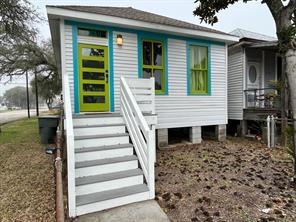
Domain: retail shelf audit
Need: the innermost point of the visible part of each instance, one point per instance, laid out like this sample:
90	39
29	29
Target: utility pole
28	98
36	93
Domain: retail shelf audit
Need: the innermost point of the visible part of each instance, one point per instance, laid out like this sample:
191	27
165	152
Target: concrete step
99	129
112	198
104	166
101	140
104	182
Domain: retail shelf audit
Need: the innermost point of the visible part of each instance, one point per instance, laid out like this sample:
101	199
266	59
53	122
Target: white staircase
107	172
110	157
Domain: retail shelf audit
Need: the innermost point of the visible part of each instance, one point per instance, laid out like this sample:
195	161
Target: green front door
93	78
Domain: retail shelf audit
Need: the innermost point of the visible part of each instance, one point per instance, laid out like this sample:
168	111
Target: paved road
9	116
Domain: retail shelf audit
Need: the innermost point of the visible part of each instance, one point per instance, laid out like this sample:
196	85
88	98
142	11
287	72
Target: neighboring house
126	73
254	67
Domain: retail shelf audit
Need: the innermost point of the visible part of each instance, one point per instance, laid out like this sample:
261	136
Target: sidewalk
146	211
9	116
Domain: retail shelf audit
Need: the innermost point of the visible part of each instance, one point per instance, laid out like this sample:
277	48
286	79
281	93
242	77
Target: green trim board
162	68
189	88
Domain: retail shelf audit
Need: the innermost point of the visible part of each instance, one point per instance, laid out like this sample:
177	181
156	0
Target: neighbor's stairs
106	169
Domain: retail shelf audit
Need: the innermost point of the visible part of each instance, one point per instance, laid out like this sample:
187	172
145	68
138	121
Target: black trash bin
47	128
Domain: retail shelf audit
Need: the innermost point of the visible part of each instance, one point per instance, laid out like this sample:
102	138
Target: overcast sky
252	16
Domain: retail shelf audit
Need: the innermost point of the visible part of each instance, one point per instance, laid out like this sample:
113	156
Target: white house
126	73
254	65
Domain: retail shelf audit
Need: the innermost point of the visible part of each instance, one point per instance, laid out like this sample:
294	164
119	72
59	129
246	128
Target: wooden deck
259	114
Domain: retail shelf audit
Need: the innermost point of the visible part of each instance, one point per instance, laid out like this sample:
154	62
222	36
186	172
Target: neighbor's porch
261	102
263	74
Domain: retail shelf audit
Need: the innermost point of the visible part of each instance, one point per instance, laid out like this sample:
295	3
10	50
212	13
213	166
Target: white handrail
142	136
70	148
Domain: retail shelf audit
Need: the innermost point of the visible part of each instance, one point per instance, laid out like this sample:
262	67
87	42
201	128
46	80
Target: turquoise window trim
75	27
75	68
140	35
198	43
119	29
155	37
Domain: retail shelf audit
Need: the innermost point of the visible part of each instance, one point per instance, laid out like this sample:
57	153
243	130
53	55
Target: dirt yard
26	175
238	180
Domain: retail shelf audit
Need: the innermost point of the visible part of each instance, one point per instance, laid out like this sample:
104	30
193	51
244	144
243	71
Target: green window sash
198	69
149	68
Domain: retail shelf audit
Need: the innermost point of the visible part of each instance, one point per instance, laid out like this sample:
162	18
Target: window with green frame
199	73
153	63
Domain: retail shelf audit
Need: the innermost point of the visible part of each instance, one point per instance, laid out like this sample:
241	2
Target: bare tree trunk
290	57
284	103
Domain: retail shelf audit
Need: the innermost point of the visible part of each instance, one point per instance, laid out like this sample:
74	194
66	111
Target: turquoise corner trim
140	56
166	92
157	37
111	70
198	43
75	67
188	67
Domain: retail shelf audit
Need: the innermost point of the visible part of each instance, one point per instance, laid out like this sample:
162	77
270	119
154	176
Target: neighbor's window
153	63
199	73
92	33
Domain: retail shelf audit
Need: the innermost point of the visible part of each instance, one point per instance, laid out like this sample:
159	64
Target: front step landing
145	211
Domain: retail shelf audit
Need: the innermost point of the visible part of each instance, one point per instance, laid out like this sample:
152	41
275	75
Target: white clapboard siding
180	110
69	60
235	84
125	62
176	109
143	91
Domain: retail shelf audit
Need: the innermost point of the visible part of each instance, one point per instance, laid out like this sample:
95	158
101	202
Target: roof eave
54	25
135	24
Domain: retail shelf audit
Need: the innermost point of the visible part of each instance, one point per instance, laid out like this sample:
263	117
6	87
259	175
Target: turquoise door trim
75	68
75	27
197	43
155	37
111	70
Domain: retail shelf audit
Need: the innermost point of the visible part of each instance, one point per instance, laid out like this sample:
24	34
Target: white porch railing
137	97
70	149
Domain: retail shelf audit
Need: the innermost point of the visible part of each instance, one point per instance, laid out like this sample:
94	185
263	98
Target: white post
272	130
69	127
268	131
151	158
154	149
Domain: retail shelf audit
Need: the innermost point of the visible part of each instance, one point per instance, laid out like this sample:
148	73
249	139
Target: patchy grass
230	181
26	176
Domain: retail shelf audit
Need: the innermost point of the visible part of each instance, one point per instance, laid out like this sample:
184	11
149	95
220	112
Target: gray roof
135	14
241	33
